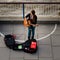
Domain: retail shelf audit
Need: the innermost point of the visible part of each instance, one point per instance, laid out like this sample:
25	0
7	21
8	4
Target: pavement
48	48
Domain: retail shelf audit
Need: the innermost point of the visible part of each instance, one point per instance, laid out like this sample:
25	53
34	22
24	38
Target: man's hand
34	25
37	24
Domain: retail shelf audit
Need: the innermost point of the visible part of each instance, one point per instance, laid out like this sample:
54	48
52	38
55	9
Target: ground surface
49	48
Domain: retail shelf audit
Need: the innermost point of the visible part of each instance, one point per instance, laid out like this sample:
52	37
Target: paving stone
4	53
45	51
45	41
20	37
28	56
44	28
16	54
56	52
16	59
55	39
1	28
56	59
57	31
45	58
2	44
19	29
30	59
7	29
41	35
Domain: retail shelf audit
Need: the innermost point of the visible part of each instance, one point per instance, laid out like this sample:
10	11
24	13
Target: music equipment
29	46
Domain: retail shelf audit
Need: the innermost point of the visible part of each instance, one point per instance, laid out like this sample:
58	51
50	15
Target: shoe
28	38
32	38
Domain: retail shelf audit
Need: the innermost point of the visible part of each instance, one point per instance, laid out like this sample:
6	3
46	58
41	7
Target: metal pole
23	10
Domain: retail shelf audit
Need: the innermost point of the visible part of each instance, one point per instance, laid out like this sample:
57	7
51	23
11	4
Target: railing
30	0
20	9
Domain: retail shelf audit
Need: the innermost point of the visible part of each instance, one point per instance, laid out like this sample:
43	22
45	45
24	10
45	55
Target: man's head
33	12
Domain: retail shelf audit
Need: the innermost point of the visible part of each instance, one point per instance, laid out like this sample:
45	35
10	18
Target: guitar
28	23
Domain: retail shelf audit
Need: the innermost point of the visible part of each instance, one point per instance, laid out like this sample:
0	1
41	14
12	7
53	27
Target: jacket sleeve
36	20
27	15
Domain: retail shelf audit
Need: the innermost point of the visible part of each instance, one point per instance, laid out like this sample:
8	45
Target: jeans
31	31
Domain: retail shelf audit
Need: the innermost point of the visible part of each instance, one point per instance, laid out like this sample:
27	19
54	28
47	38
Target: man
33	22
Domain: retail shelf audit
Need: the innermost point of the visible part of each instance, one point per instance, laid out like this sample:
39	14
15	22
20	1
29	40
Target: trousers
31	32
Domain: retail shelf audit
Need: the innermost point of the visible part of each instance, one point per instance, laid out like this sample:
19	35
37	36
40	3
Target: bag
30	46
9	41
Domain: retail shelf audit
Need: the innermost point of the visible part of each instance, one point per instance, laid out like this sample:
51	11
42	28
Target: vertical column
23	10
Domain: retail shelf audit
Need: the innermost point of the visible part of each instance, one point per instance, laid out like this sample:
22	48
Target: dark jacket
33	21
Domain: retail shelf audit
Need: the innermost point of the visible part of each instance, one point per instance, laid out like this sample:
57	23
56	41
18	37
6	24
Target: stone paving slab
7	29
56	52
30	59
16	54
45	51
56	59
57	30
28	56
45	41
44	29
16	59
45	58
2	44
4	54
19	29
55	40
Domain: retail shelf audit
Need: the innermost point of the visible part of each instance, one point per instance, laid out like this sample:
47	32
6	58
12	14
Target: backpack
9	41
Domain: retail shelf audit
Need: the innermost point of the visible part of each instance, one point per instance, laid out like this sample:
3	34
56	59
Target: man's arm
27	16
